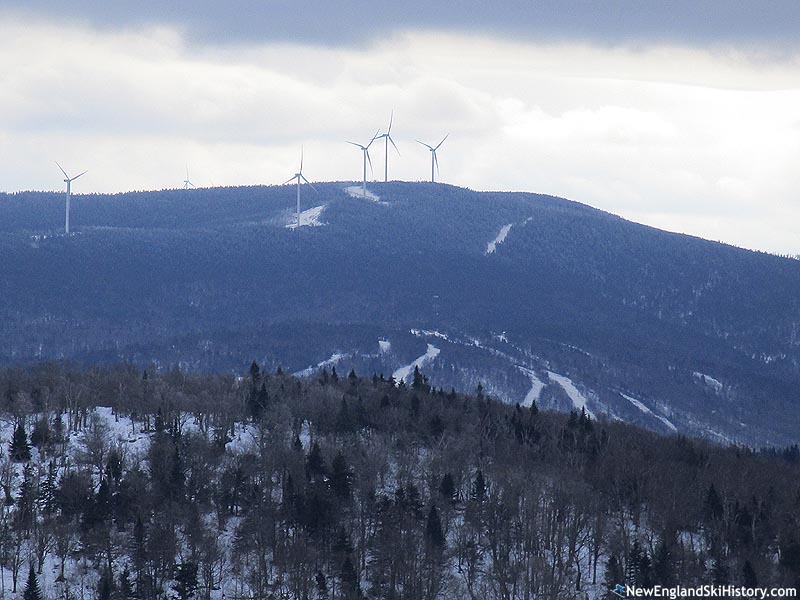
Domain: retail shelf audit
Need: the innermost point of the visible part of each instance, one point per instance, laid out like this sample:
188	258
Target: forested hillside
123	483
534	296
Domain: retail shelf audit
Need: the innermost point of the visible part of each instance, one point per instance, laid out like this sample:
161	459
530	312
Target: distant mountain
532	296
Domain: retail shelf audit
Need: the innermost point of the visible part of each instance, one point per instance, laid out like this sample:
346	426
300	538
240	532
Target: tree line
345	487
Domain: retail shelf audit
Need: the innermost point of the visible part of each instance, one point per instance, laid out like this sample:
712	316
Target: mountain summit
533	297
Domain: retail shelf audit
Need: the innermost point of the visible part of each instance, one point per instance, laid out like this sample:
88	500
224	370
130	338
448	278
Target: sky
680	115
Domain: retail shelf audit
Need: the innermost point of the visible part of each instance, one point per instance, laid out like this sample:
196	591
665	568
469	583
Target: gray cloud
696	22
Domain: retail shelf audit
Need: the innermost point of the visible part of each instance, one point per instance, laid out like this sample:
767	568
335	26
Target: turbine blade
76	176
289	180
391	118
369	160
388	137
301	159
354	144
374	137
424	144
310	184
436	161
62	170
442	142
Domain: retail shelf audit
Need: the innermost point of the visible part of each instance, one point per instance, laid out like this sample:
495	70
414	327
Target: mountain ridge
210	278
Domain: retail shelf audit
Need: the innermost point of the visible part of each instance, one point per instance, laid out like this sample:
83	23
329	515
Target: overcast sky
682	115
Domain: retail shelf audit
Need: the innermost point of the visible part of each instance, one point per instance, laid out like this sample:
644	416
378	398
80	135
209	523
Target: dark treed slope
665	330
338	487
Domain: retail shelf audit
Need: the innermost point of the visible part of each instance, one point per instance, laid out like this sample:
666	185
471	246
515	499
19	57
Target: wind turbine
365	150
186	182
387	137
434	160
300	178
68	180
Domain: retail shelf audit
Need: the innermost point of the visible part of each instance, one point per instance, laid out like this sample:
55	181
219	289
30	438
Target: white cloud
699	141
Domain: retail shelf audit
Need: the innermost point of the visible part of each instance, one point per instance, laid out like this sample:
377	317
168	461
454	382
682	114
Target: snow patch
537	385
429	333
357	191
335	358
403	373
308	218
646	410
501	236
711	382
384	346
578	400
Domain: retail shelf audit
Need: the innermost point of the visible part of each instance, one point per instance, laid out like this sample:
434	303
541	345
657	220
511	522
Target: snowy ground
357	191
429	333
403	373
710	381
578	400
308	218
335	358
501	236
536	387
646	410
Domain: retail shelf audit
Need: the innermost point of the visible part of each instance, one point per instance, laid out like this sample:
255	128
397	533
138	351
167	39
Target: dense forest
128	483
200	278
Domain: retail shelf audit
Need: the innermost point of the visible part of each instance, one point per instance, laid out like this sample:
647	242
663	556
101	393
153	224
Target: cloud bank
703	141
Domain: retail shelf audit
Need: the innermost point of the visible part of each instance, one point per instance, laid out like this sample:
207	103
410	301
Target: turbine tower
186	182
68	180
387	137
434	160
365	150
300	178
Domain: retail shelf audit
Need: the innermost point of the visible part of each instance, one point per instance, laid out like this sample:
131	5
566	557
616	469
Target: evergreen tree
125	585
255	372
47	491
419	381
662	565
713	504
315	464
340	476
479	487
19	450
344	418
40	436
322	586
32	591
447	489
349	578
105	586
433	528
185	584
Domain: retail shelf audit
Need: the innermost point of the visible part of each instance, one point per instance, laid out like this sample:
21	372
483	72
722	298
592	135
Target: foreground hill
267	486
534	296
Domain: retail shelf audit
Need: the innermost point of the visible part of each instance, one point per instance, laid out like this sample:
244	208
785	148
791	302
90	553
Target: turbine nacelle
434	158
68	180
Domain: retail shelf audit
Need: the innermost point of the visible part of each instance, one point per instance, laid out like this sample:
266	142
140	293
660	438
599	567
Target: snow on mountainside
536	387
403	373
204	280
647	411
308	218
578	399
499	239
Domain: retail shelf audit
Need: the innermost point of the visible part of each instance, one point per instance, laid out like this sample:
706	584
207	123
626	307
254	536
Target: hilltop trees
350	488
